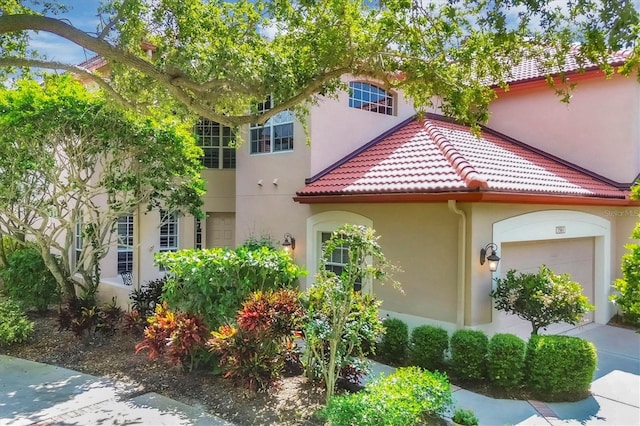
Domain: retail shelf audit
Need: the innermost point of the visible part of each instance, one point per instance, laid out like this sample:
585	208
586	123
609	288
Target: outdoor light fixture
489	253
289	242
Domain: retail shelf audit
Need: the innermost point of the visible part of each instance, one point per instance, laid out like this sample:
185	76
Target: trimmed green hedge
427	347
395	341
505	359
560	368
469	354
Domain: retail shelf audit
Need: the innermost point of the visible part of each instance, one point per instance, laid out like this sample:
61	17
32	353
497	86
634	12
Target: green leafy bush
628	287
28	281
213	283
542	299
469	354
15	327
428	346
505	359
395	341
254	353
560	368
403	398
464	417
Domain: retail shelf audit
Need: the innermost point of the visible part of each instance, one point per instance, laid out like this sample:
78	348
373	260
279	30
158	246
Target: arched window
369	97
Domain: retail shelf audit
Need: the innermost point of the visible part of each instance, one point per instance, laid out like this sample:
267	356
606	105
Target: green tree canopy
69	157
218	58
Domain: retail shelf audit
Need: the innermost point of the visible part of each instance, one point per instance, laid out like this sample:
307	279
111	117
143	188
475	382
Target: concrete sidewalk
38	394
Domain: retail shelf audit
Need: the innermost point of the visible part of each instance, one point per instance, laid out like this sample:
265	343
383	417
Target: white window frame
339	258
367	96
78	243
328	222
216	142
169	231
264	139
125	243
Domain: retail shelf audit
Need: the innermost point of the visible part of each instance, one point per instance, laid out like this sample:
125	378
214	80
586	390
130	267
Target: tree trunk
331	375
64	282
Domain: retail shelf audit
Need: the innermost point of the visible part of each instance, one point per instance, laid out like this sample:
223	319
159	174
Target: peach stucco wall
598	130
265	187
221	190
421	239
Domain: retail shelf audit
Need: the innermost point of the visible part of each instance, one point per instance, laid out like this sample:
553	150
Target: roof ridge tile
464	169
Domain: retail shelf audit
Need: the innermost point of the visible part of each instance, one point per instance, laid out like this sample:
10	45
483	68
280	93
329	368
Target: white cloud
83	14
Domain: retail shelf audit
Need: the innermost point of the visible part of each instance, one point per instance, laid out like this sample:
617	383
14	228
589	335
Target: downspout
462	242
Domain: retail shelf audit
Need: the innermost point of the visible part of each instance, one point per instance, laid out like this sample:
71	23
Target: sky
83	15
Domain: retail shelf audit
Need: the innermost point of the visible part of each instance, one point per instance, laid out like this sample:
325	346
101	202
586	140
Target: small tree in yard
628	287
342	324
542	299
70	162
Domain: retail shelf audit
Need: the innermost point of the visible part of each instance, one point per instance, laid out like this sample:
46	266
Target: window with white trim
168	231
125	243
338	260
275	135
78	243
369	97
216	142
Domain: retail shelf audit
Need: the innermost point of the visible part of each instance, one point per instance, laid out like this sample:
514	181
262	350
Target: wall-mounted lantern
289	243
490	253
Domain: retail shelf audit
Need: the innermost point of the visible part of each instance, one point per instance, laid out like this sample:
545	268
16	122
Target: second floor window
276	135
369	97
216	142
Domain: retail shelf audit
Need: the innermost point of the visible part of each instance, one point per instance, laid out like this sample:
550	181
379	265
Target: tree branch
107	28
24	62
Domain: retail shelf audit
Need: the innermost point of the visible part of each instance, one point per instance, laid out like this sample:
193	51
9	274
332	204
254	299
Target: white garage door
573	256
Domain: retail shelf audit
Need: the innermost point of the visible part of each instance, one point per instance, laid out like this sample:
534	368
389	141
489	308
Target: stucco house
544	183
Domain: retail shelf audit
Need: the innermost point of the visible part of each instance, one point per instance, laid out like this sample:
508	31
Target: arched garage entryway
566	241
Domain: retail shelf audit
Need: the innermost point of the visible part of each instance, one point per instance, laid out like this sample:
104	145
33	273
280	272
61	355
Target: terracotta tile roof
94	63
531	69
436	155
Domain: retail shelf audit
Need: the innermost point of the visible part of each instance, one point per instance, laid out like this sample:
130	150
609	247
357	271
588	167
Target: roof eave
538	81
470	197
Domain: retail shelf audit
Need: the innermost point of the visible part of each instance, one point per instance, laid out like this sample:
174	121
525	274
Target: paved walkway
38	394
